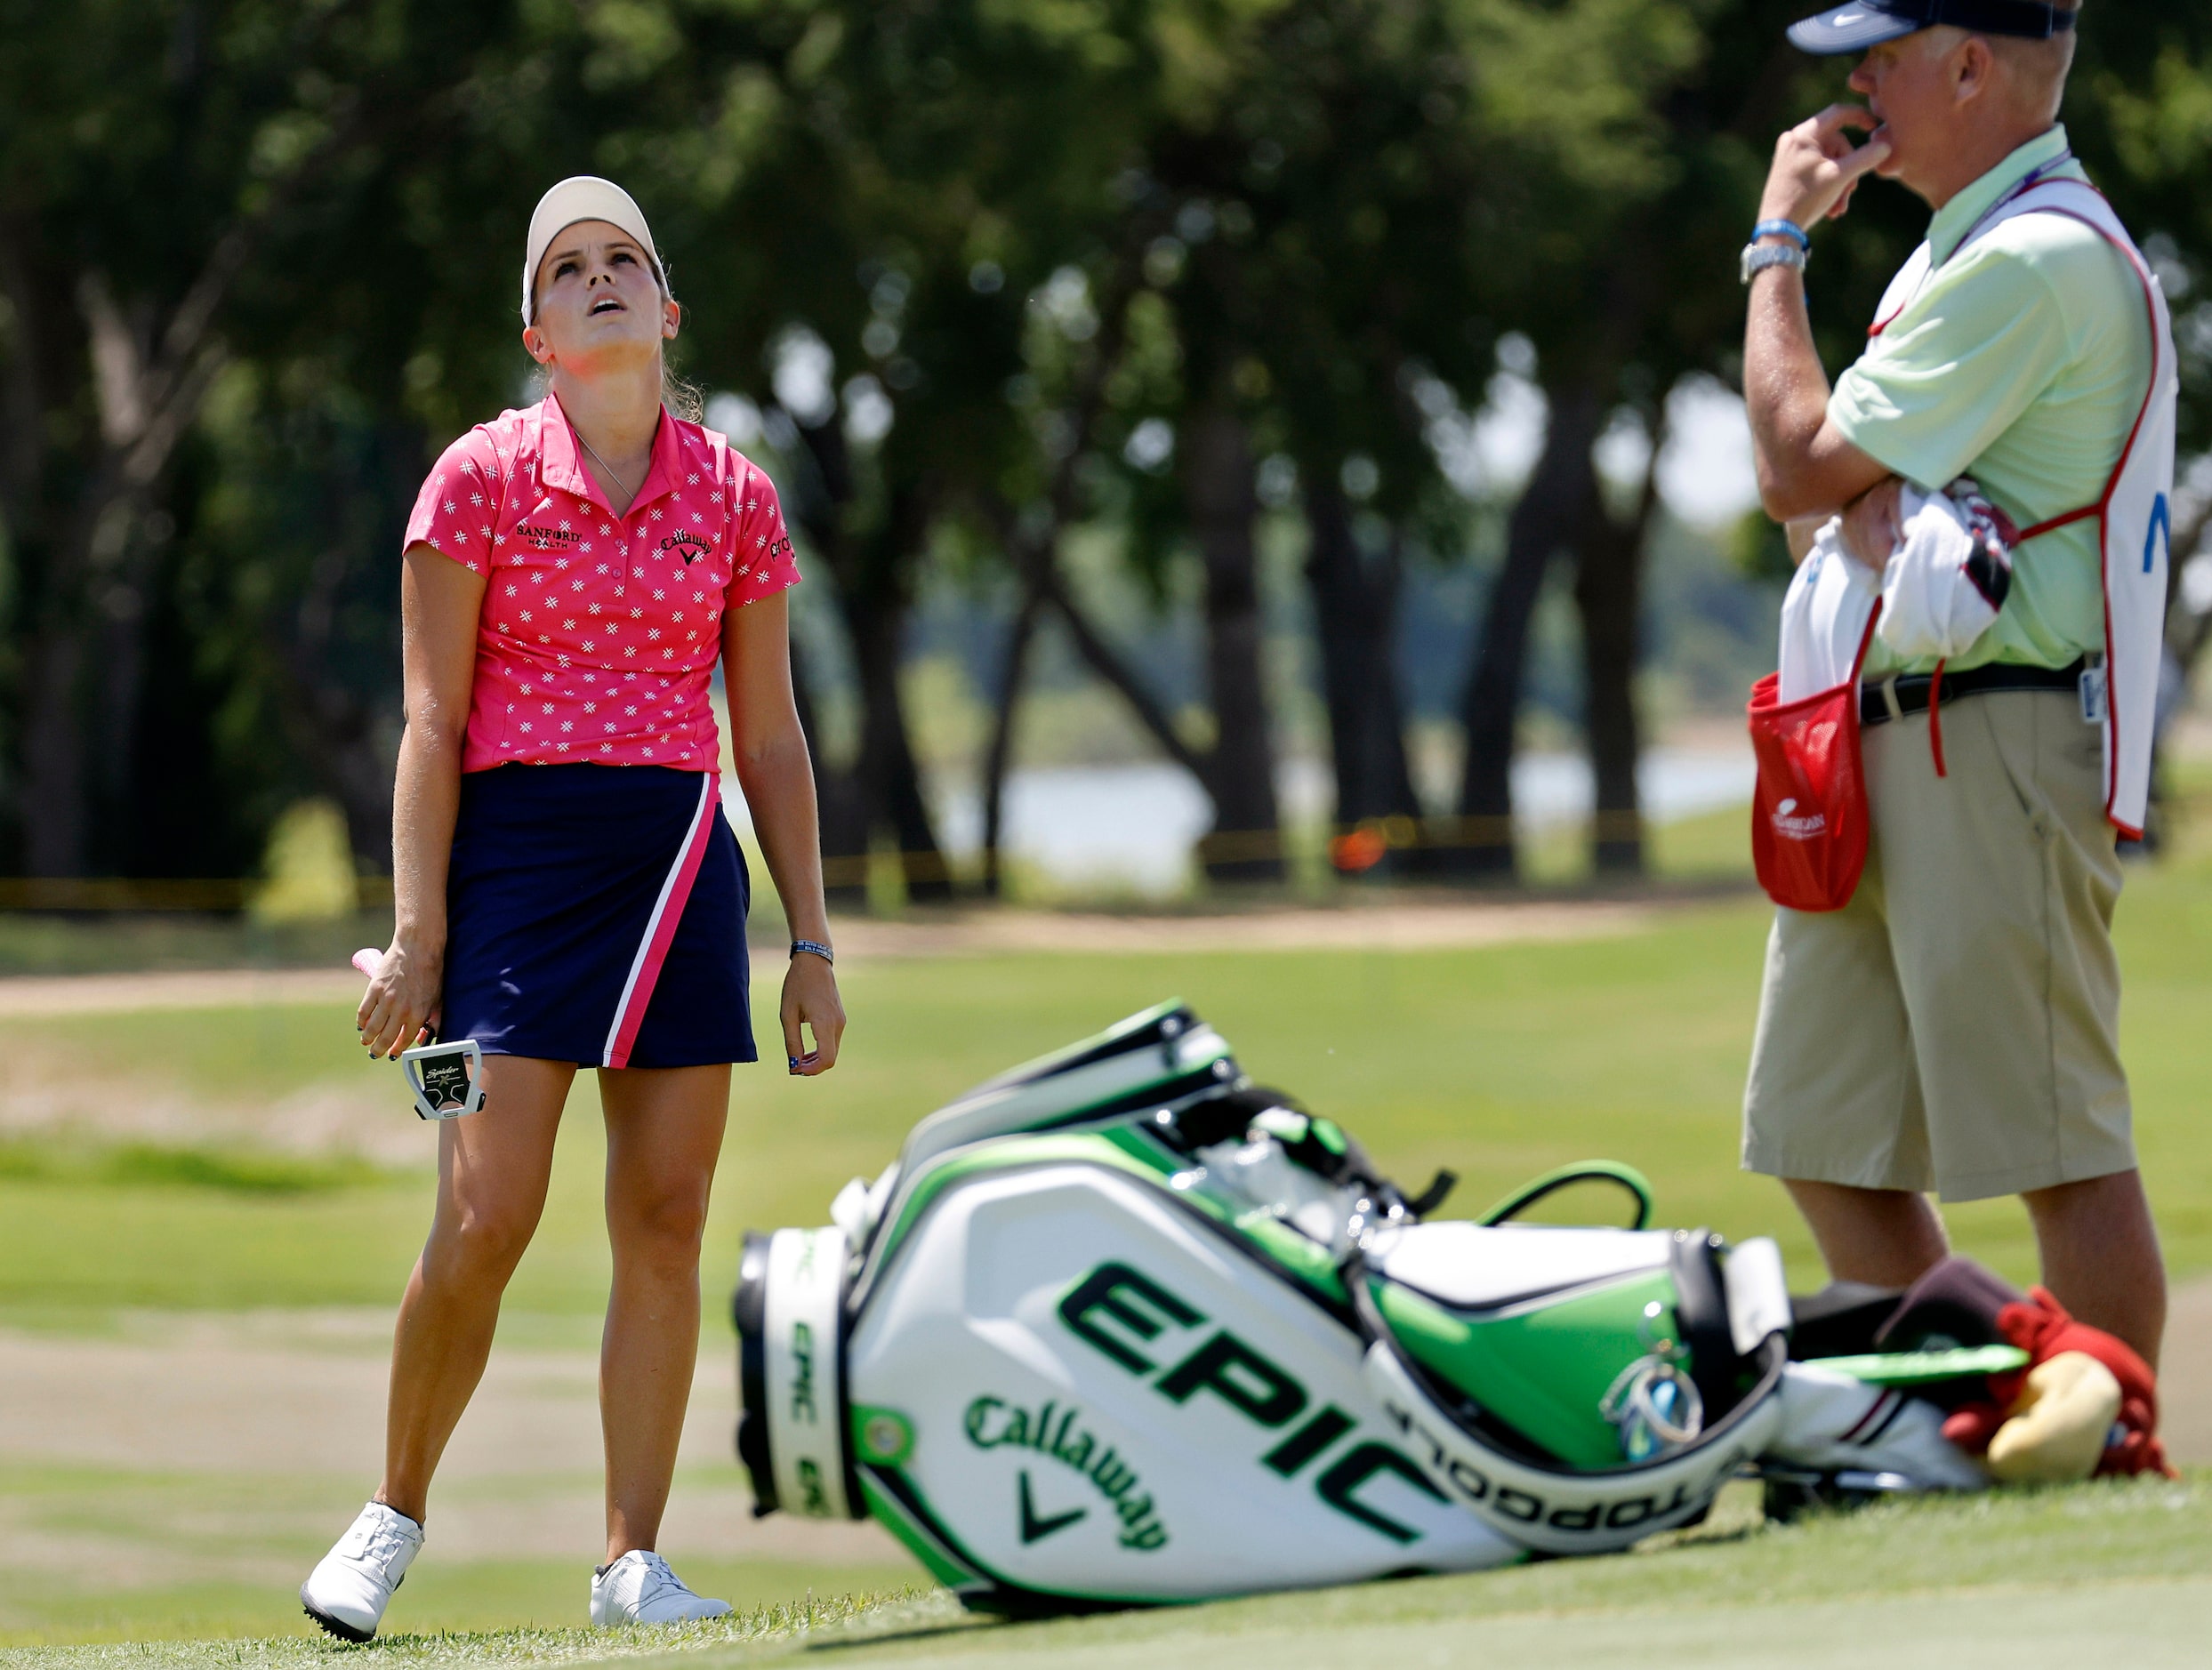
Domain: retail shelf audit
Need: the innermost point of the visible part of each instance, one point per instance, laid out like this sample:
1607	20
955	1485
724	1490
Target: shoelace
658	1580
382	1542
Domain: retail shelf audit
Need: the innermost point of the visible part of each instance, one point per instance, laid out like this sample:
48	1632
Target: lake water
1132	827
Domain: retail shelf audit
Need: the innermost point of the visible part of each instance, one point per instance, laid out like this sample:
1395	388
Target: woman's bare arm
777	774
440	602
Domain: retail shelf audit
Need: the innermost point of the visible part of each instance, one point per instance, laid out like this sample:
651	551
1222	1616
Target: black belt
1910	689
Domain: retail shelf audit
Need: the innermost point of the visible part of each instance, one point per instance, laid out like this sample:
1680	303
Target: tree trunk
843	820
73	493
1245	843
1118	676
872	569
1355	599
86	663
999	759
52	796
890	784
814	504
52	502
1608	592
1548	515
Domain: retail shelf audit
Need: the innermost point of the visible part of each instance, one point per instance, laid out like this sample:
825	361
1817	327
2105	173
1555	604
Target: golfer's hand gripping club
447	1079
400	1009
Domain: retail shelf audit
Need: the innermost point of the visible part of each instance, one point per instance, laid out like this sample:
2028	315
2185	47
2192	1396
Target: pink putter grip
366	960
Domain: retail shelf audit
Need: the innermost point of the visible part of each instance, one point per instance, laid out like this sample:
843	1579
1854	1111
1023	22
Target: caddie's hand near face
1818	164
1872	524
810	999
401	1002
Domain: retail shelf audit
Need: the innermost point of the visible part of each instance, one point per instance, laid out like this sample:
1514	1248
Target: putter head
447	1079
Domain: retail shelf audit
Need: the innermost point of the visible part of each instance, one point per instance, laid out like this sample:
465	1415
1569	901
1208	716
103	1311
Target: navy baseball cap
1854	27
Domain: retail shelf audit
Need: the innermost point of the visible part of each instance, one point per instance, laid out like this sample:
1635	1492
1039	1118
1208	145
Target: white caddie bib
2133	515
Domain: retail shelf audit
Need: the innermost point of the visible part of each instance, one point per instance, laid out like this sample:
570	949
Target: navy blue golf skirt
597	914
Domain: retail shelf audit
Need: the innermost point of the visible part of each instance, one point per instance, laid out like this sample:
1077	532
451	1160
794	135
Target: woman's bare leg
663	1135
493	1168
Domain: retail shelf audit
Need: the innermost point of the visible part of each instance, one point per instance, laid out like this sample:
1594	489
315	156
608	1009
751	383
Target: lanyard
2035	178
2030	182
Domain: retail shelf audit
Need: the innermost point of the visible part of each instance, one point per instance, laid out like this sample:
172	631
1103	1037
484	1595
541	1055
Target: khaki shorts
1956	1026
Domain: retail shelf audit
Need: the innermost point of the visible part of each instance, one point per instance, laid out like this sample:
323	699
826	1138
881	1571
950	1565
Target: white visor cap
581	197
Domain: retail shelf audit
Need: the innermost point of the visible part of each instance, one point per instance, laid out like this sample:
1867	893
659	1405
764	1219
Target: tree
168	174
1293	231
924	169
1055	265
1594	160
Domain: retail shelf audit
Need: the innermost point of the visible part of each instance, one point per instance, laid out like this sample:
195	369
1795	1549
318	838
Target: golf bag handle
1581	1171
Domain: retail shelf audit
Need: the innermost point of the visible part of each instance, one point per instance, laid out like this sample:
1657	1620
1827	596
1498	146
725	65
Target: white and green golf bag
1119	1329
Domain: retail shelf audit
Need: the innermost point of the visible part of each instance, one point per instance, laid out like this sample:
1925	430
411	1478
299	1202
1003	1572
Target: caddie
1954	1028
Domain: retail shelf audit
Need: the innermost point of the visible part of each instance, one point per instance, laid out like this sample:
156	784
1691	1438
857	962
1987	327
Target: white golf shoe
639	1588
347	1593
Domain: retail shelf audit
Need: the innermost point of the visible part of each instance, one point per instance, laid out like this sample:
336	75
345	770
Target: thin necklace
627	490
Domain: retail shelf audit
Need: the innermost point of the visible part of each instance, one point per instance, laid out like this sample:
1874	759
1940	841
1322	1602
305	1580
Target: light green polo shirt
2022	363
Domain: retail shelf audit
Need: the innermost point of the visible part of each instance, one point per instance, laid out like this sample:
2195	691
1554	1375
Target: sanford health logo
1794	826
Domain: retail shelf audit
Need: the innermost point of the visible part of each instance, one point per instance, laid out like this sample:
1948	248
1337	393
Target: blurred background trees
1169	342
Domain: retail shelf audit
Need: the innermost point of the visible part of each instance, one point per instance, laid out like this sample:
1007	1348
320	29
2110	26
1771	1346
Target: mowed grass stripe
1497	1063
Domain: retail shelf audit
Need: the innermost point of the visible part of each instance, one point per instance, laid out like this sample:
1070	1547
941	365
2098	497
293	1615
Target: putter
447	1079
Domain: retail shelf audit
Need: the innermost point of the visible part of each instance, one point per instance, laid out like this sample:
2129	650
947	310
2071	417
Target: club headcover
2040	1326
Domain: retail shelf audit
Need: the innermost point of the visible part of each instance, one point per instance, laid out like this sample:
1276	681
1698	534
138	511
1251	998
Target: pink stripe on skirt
660	928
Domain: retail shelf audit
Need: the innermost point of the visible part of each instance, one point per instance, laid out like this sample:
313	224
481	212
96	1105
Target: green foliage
1024	229
1759	548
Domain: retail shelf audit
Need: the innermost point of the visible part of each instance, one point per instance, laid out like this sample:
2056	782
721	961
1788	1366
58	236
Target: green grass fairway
187	1553
1497	1063
2096	1574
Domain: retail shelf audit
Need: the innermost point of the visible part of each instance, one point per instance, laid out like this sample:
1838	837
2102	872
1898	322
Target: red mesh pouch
1809	811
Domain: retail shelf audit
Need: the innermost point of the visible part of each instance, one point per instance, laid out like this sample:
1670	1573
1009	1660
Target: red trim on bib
2099	509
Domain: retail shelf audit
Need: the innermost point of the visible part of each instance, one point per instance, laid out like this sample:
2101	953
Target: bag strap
1866	642
1936	718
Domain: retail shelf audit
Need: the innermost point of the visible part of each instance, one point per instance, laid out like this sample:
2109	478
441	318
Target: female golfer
566	891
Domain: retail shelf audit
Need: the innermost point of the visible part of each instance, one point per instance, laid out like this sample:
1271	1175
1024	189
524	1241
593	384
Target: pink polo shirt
599	633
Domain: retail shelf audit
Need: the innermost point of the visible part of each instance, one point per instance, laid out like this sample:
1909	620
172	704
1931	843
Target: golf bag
1119	1327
